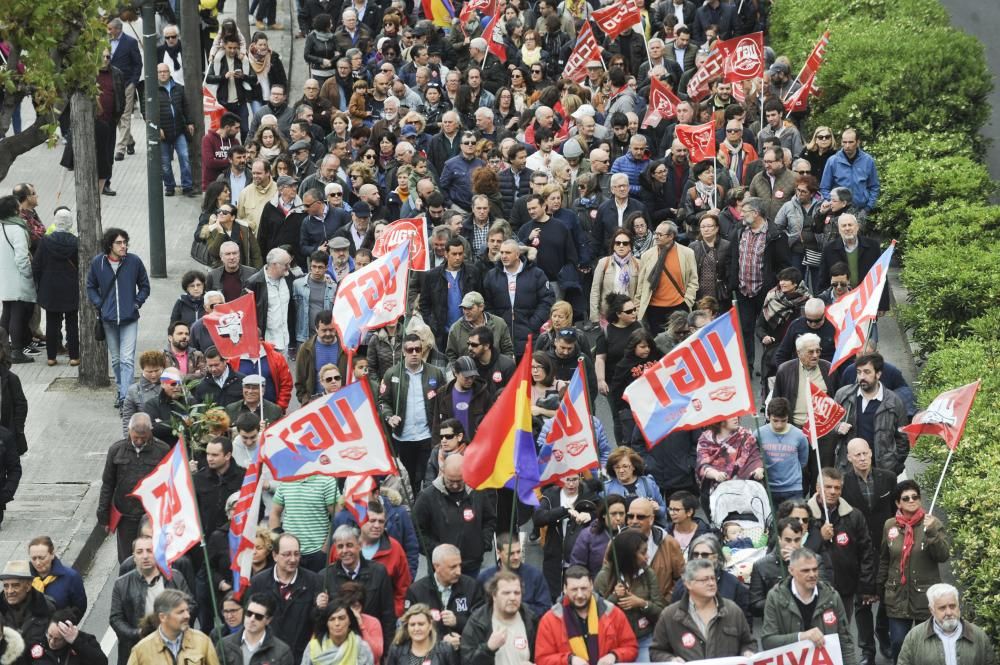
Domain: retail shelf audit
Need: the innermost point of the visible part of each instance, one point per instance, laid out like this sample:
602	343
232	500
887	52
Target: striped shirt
305	514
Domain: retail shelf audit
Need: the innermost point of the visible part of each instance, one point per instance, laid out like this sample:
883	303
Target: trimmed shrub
909	184
969	493
918	145
948	284
953	221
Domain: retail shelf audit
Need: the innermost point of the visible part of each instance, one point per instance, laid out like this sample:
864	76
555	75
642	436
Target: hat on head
287	180
298	145
594	63
434	84
478	43
572	149
408	130
471	299
779	68
16	569
254	380
171	374
465	366
340	242
582	112
362	209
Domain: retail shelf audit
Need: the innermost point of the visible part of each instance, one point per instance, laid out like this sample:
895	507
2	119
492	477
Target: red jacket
391	555
280	374
614	635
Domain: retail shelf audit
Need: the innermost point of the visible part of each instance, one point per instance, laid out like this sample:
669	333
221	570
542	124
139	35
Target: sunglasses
701	555
803	172
734	131
336	193
910	497
840	285
622	243
413	349
473	345
824	137
629	311
259	617
468	143
331	379
448	435
170	36
814	322
223	211
172	384
637	516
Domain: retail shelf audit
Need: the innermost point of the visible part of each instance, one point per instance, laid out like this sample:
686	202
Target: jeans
644	643
898	628
53	334
121	347
868	630
167	149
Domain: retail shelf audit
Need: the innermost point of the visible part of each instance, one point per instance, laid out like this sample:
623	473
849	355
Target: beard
949	625
181	345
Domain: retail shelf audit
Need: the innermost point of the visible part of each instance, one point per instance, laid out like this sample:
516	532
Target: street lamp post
154	177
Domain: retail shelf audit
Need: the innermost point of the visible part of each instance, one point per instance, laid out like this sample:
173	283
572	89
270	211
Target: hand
609	659
163	136
68	631
583	518
825	206
786	553
721	476
497	639
193	466
826	531
602	387
843	428
322	599
534	234
225	586
758	474
107	529
448	618
620	590
929	521
190	129
869	599
394	421
576	660
631	602
814	635
767	340
454	639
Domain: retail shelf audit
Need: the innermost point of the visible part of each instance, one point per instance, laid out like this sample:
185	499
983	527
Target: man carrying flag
570	443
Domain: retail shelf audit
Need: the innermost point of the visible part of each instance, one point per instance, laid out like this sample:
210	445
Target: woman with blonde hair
560	318
820	148
416	640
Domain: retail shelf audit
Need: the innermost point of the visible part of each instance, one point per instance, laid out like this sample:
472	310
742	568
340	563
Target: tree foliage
59	44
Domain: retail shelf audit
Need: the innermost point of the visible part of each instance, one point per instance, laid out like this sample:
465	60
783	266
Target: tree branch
12	147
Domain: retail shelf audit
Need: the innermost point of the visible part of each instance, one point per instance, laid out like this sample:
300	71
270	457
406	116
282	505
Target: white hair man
947	633
450	594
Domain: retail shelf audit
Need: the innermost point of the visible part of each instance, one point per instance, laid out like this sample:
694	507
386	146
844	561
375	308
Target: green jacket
783	622
909	601
922	646
272	412
394	384
642	620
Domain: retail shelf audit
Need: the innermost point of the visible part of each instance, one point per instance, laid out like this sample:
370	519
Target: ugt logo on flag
372	297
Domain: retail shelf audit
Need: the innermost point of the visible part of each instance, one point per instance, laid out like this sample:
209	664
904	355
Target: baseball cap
471	299
572	149
778	68
362	209
466	366
584	111
409	130
171	374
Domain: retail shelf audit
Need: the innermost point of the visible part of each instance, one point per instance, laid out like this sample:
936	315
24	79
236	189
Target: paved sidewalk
69	429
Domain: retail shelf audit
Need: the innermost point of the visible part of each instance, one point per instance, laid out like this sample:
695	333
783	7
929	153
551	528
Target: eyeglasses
331	379
468	143
336	194
702	555
704	580
824	137
734	131
803	172
413	349
803	191
637	516
233	611
517	75
910	497
660	234
536	71
369	157
629	311
355	175
622	243
259	617
814	322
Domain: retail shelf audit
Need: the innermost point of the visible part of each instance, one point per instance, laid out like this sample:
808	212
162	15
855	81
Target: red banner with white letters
233	327
408	229
617	17
698	139
662	103
586	49
826	411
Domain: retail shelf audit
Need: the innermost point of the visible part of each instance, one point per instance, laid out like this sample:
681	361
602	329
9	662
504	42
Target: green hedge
909	184
953	220
969	494
920	144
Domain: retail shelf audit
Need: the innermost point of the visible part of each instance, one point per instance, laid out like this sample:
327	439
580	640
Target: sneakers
17	357
51	363
74	362
31	350
168	192
190	193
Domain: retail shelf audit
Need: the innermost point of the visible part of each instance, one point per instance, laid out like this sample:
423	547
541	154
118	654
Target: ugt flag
662	103
410	231
571	446
826	412
698	139
372	297
243	526
797	97
617	17
167	496
703	380
945	417
357	492
744	57
334	435
502	454
852	313
585	50
233	327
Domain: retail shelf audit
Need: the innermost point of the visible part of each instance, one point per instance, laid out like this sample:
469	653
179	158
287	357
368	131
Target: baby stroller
744	502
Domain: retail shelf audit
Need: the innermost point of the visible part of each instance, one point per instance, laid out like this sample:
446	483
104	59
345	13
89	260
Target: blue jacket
645	487
861	177
314	232
67	589
130	290
456	181
398	524
536	591
631	167
300	296
127	58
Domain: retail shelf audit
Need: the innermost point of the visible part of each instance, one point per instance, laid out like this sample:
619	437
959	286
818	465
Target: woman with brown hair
486	182
627	477
614	273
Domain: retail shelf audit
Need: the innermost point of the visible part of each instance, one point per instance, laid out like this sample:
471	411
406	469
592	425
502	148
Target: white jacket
16	281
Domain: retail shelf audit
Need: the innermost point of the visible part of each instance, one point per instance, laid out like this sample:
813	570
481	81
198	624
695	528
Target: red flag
826	411
410	229
213	109
484	7
662	103
233	327
698	139
744	57
616	18
805	83
697	87
945	417
586	49
493	34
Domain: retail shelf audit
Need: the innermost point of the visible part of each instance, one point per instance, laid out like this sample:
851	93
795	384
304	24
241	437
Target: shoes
260	25
51	363
190	193
31	351
107	191
275	26
74	362
118	403
130	149
17	357
168	192
119	157
300	35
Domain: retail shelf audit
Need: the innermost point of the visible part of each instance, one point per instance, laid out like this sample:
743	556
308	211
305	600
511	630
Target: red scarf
908	537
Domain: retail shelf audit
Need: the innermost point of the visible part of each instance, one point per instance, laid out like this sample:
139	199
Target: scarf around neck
260	63
908	538
624	277
583	639
325	652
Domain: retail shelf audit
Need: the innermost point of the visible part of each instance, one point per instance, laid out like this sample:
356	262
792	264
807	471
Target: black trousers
869	629
657	317
749	308
53	333
15	318
414	456
128	530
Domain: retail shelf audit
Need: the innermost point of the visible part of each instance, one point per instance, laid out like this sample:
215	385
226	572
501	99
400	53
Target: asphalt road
982	19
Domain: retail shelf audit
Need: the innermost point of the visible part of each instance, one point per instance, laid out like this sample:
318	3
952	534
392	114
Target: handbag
199	252
99	325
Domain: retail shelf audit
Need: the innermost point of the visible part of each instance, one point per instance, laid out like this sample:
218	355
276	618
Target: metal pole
951	451
154	181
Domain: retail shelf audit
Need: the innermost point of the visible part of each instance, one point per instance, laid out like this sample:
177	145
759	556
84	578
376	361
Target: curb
84	543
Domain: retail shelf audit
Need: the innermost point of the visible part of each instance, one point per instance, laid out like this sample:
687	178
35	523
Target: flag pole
937	490
819	462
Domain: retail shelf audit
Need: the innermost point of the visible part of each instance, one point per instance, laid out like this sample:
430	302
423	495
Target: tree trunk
93	354
190	27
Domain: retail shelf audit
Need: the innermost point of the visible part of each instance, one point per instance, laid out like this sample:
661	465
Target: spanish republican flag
439	11
502	454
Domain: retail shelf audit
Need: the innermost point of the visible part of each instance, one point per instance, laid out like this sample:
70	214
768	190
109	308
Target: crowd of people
551	212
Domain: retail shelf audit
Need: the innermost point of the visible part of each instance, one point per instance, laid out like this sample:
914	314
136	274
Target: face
338	625
622	245
803	194
564	348
805	572
579	590
419	627
119	248
620	190
374	527
849	142
773	118
261	177
859	455
677	513
709	229
142	553
848	227
704	584
232	613
679	152
412	351
349	551
255	618
809	355
772	163
162	73
152	372
449	569
507	597
215	457
778	423
664	237
216	366
638	150
288	556
511	553
707	176
249	439
326	333
41	558
868	378
841	284
946	612
251	394
724	90
55	638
